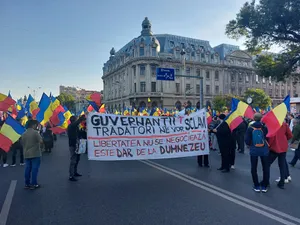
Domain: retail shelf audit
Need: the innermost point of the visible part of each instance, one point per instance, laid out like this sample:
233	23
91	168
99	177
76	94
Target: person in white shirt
292	122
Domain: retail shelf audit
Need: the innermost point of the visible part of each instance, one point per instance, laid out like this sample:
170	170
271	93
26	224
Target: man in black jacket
239	136
225	142
73	144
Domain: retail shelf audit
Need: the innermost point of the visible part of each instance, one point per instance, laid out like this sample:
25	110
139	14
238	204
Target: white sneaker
13	165
22	164
232	167
286	181
289	178
5	165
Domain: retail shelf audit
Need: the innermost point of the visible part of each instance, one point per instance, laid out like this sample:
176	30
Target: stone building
78	94
129	76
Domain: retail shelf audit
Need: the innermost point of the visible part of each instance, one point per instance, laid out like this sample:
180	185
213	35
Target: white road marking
237	199
7	203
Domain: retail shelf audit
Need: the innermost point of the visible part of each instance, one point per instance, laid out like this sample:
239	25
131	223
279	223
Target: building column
148	78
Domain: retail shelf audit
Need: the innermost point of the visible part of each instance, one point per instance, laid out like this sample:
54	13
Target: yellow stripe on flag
10	133
280	112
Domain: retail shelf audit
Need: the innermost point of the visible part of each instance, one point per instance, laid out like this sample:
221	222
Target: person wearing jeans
31	141
255	138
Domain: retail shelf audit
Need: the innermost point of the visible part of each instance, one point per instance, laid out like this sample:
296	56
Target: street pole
201	87
201	93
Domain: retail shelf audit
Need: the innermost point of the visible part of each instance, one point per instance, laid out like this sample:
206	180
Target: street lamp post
34	91
182	53
120	90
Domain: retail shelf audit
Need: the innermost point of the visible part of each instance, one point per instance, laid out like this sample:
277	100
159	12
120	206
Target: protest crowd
29	130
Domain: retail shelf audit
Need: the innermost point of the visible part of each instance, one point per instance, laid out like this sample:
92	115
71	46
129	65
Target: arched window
154	104
178	105
142	105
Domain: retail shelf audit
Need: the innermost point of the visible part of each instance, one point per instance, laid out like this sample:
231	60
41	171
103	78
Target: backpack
258	137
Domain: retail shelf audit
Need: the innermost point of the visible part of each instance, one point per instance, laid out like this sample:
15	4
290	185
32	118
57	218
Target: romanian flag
45	112
64	122
19	105
233	120
102	109
31	107
208	118
126	113
239	109
94	100
67	115
57	116
22	116
58	112
276	116
10	132
243	109
54	103
13	111
6	102
90	108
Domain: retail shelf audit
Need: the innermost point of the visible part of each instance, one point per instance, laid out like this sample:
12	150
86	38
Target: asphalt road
174	192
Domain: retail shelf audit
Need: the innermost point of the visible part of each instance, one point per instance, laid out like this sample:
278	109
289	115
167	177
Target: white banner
115	137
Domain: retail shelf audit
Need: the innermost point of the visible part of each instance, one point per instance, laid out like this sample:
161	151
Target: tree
223	102
67	100
266	24
259	97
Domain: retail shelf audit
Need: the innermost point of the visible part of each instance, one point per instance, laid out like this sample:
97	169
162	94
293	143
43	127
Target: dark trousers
32	170
296	156
3	155
266	170
225	155
281	163
74	160
14	155
241	141
200	160
232	157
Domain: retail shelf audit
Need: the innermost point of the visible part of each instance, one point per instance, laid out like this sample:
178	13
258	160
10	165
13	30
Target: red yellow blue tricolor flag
239	109
275	118
31	107
10	132
45	112
6	102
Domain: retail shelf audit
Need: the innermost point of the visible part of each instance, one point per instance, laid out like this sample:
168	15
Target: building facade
79	95
129	76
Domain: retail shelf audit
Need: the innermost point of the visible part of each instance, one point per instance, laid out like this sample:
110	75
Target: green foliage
67	100
223	102
269	23
259	97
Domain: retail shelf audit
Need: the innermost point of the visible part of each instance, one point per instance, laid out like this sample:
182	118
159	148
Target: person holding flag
72	131
3	154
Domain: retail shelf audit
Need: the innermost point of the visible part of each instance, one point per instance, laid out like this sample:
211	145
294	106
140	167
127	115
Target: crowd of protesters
252	134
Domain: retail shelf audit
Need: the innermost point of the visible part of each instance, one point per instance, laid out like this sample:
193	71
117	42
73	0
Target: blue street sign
165	74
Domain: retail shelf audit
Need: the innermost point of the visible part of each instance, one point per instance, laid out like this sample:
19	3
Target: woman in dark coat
48	139
225	142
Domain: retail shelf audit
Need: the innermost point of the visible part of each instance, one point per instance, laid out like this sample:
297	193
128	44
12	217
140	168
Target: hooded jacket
256	151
